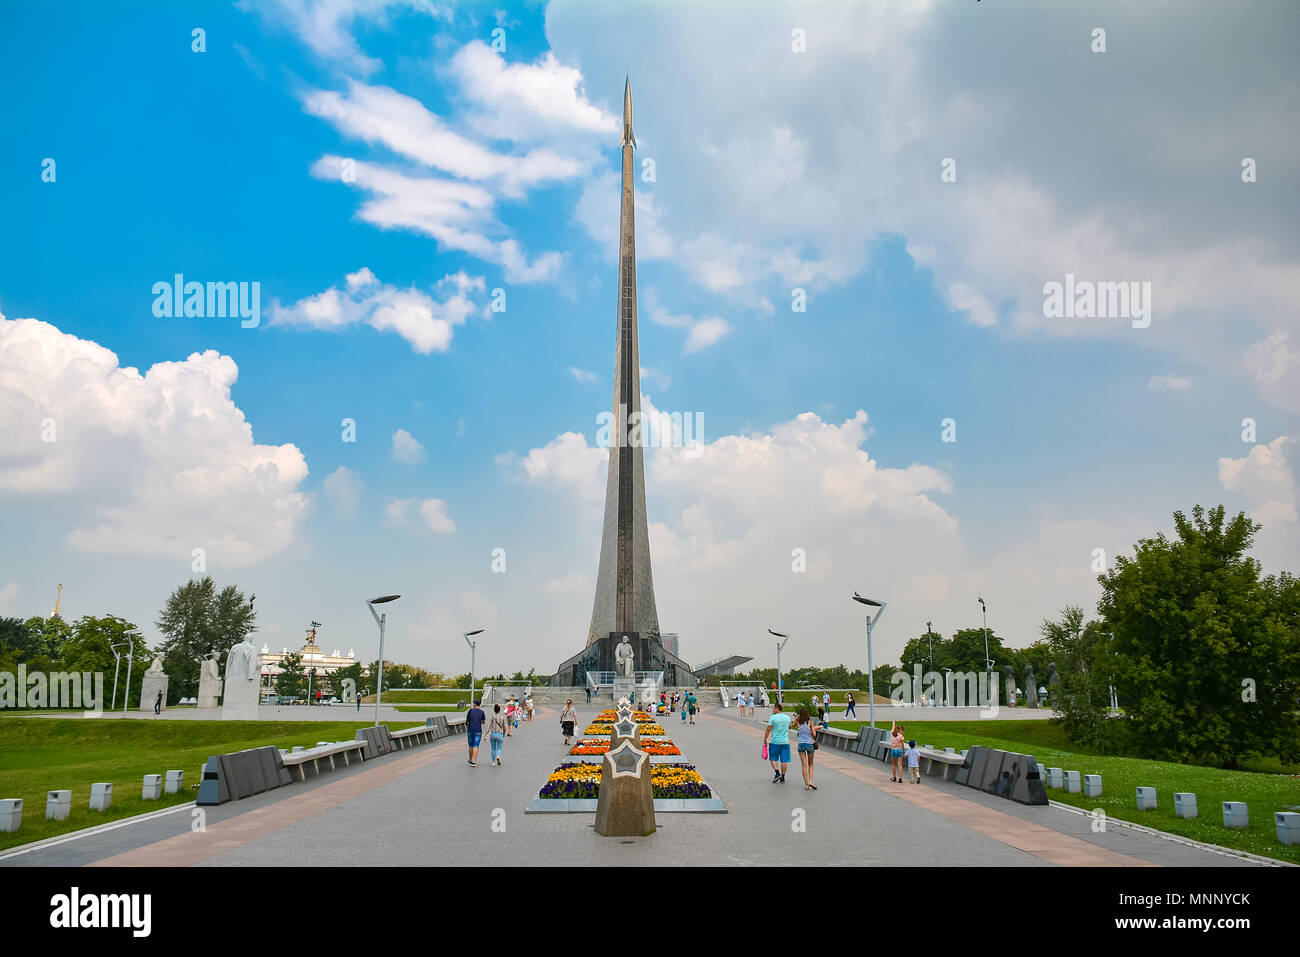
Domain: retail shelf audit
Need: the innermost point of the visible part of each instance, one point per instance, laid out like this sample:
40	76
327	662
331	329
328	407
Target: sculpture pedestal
626	804
152	683
209	691
625	688
241	700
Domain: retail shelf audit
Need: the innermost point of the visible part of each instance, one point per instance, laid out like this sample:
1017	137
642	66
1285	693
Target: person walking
850	706
474	731
750	702
588	694
358	697
692	704
777	739
157	704
510	717
740	701
530	706
896	739
568	718
913	762
497	733
806	736
826	701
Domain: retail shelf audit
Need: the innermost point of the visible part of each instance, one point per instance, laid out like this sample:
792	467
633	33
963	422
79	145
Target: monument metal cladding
624	608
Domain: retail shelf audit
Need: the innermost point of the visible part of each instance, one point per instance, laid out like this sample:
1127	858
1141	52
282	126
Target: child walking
913	762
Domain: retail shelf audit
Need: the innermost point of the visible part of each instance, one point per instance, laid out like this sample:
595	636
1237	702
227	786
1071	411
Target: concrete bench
933	760
300	762
837	738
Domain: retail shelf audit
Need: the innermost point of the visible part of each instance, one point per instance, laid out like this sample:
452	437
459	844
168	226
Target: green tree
1085	661
45	641
196	620
1207	650
292	680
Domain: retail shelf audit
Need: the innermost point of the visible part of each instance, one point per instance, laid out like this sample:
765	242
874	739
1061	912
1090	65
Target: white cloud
565	462
521	100
343	489
705	333
326	25
1275	366
427	323
1265	480
1170	383
433	511
458	215
581	375
793	183
406	448
152	464
655	378
381	115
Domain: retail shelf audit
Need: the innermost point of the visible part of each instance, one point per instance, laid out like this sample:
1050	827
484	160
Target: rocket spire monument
624	609
625	595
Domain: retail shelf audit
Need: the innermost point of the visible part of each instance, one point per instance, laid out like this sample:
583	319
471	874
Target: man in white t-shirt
740	702
826	701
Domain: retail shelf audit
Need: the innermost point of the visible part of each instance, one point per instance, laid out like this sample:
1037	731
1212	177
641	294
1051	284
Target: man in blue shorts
474	730
777	739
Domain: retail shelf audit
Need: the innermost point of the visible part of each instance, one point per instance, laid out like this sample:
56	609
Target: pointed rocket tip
627	112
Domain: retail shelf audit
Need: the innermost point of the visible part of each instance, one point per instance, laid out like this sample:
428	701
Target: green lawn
423	695
1274	789
47	754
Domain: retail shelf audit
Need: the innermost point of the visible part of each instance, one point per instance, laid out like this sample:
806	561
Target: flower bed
645	729
609	716
601	745
577	780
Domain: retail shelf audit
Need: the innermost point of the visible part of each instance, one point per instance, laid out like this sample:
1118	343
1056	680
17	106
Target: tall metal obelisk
625	594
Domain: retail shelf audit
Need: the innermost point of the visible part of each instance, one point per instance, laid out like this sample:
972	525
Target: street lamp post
381	621
988	687
473	654
780	682
871	678
129	661
117	663
930	636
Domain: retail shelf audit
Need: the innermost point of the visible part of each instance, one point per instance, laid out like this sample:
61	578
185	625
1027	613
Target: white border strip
1178	838
86	832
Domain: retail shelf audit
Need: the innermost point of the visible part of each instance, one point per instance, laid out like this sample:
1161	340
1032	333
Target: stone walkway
428	806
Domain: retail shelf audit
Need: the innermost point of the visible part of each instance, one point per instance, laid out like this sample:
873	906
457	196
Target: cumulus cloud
431	511
705	333
519	100
152	464
427	323
343	489
581	375
406	448
1264	478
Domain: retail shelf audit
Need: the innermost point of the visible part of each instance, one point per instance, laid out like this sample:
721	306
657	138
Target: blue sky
775	170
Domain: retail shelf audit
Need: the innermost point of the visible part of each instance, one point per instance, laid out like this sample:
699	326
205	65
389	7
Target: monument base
648	654
149	688
240	701
209	692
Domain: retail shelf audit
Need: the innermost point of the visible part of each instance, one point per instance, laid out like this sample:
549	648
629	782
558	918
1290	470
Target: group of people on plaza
500	726
776	742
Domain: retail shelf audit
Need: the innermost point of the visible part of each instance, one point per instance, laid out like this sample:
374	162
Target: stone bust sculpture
156	668
623	656
243	662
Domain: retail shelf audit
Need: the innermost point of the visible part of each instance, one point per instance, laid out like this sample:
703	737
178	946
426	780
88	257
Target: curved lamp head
478	632
865	601
385	598
777	633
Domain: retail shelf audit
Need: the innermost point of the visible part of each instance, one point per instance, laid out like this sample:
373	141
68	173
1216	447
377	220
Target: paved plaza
427	806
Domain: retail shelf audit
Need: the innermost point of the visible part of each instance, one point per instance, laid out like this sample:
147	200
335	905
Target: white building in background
313	656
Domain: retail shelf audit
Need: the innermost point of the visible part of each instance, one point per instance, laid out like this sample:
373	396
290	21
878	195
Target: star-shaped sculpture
625	728
626	759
